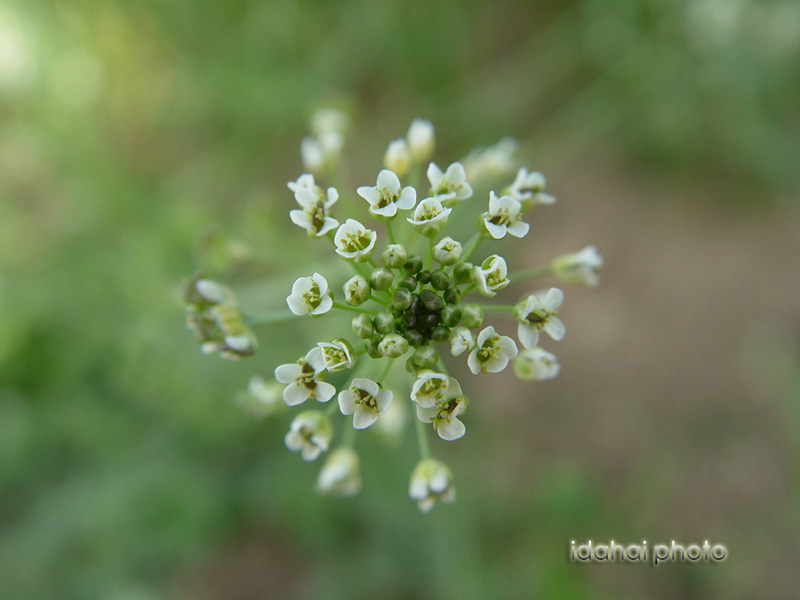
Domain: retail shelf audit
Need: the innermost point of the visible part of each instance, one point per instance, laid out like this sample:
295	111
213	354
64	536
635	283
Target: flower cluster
415	296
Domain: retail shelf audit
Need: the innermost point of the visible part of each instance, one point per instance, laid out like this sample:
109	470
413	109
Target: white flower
388	196
461	340
340	475
450	186
580	267
337	355
431	479
537	313
397	157
311	433
528	188
536	364
206	291
310	296
429	388
366	400
429	217
221	329
303	379
267	393
354	241
314	216
491	353
447	251
326	120
492	161
491	275
322	150
444	414
420	140
503	217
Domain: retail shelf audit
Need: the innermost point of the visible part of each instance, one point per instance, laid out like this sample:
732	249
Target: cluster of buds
408	304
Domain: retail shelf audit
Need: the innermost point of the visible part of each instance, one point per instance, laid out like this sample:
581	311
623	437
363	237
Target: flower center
312	296
387	198
365	399
356	241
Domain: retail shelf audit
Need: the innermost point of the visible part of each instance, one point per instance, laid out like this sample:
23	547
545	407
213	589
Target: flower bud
424	277
420	140
394	256
362	326
356	290
414	338
372	346
384	322
408	282
426	356
440	334
440	280
451	295
397	157
579	267
381	279
431	480
339	475
447	251
431	300
401	299
451	315
413	264
463	273
393	345
472	315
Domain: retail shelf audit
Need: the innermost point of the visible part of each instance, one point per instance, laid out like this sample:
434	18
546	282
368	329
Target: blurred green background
140	141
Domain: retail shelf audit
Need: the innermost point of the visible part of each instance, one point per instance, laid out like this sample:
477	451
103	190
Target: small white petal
519	229
528	336
496	364
473	363
364	418
288	373
553	299
325	391
449	430
347	402
295	394
389	180
555	328
497	232
294	441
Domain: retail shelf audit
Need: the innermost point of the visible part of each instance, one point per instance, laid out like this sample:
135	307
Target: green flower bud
440	280
401	299
384	322
413	264
440	334
447	251
414	338
394	256
424	277
463	273
472	315
451	295
373	349
408	282
381	279
451	315
426	356
430	320
431	301
356	290
393	345
412	367
362	326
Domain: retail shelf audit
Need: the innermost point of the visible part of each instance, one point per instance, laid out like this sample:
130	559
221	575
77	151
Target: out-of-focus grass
141	141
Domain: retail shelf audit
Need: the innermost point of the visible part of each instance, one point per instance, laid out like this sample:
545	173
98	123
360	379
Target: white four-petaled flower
429	388
310	433
340	475
444	413
315	206
303	379
429	217
537	313
451	186
536	364
366	400
310	296
354	241
491	275
528	188
337	355
431	480
578	267
388	195
461	340
503	217
491	353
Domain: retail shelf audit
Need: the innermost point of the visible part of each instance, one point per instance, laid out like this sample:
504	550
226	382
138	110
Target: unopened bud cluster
414	297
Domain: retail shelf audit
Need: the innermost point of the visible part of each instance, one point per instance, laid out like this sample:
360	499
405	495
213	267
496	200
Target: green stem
496	307
372	262
472	245
379	301
341	306
386	370
531	274
429	255
468	289
390	231
422	440
269	318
